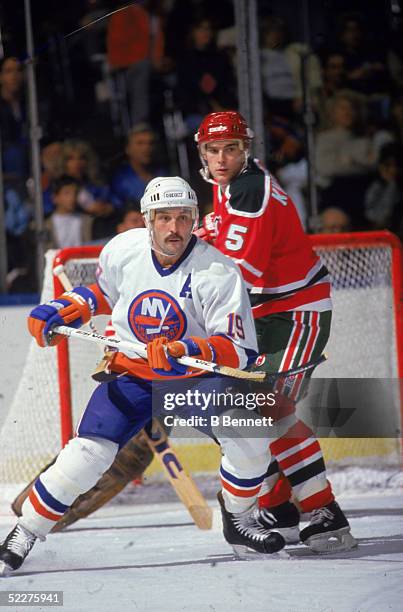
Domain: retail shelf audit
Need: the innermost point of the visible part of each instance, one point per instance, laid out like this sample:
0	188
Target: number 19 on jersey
235	326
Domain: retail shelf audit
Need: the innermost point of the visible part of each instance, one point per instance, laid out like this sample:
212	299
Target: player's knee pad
79	466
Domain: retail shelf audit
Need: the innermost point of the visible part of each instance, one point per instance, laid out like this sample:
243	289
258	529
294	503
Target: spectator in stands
130	180
366	64
185	12
334	73
384	197
68	226
17	216
79	161
14	135
205	78
130	217
285	139
345	158
135	47
334	80
94	41
334	221
286	159
282	87
396	113
281	69
51	156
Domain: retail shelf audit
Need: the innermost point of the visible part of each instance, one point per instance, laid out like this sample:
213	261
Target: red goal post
63	359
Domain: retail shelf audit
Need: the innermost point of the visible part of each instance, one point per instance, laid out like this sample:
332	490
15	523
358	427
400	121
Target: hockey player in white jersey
178	295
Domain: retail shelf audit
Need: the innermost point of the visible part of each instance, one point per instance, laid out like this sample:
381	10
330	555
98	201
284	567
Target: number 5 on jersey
235	237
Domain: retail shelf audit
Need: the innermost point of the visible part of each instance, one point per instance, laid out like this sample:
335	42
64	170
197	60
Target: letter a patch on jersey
186	290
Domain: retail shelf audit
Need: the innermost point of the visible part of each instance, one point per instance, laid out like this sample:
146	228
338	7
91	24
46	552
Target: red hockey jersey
259	228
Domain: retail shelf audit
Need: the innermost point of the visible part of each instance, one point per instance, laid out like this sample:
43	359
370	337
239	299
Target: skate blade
5	570
243	553
333	541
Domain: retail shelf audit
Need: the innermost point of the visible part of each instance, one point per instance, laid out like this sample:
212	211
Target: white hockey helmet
168	192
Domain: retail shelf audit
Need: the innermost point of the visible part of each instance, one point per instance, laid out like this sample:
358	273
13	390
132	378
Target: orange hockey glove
73	308
161	354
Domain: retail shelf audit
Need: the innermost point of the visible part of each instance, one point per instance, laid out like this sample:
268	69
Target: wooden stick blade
202	516
183	484
189	494
257	376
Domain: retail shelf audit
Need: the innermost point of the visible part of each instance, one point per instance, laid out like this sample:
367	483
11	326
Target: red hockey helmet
225	125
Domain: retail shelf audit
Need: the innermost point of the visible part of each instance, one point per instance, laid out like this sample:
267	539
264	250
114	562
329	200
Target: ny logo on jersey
186	290
156	313
155	310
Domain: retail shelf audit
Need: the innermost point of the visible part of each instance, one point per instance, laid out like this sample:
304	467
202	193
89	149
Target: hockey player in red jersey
256	224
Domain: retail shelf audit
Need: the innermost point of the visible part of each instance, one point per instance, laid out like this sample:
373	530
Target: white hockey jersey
202	294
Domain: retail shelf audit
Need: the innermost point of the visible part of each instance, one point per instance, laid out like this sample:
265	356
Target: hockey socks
78	467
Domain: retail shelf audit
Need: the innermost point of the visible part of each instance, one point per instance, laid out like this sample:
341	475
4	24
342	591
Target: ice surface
149	557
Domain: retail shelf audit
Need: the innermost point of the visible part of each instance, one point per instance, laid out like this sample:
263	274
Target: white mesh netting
363	338
362	344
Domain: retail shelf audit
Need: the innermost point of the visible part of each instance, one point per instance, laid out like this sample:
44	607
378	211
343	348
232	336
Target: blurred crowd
121	100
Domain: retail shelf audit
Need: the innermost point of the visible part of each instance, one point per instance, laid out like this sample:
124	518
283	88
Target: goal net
365	342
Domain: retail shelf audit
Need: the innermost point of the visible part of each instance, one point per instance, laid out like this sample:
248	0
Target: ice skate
15	548
328	530
283	519
246	536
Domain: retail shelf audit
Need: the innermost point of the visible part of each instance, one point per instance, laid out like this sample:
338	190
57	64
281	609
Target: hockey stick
141	351
199	364
183	484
